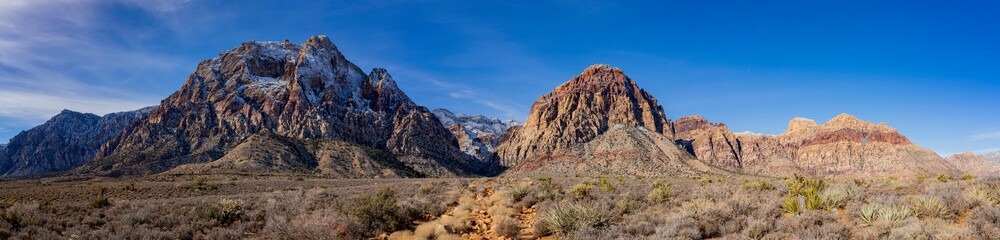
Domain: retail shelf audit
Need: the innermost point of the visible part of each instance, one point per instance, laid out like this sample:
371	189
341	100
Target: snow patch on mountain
477	135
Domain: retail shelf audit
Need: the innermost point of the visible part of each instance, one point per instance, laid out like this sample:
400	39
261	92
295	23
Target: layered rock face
844	146
599	121
973	163
64	142
301	92
477	135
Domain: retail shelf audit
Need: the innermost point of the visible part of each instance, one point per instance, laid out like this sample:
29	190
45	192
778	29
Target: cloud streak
985	136
57	54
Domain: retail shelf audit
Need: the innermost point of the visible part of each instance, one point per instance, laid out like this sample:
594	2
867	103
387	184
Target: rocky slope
266	152
64	142
993	157
973	163
597	122
844	146
477	135
301	92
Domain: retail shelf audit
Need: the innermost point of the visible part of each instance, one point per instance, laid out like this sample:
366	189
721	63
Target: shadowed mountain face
64	142
844	146
301	92
477	135
598	122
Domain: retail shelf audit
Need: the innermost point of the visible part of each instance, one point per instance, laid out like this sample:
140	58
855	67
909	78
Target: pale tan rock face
845	146
599	121
975	164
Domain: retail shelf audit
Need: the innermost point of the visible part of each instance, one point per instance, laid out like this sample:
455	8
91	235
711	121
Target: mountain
973	163
597	122
993	157
304	94
844	146
64	142
477	135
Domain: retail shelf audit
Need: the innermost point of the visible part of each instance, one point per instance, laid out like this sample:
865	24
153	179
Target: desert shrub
869	214
201	184
426	188
605	184
983	194
134	219
791	204
894	213
968	176
758	185
813	225
660	193
516	194
225	212
101	200
874	213
945	177
580	190
378	211
985	222
507	227
928	207
834	198
806	191
566	217
547	189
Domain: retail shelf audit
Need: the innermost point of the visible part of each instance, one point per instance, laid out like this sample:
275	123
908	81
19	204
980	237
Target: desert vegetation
557	207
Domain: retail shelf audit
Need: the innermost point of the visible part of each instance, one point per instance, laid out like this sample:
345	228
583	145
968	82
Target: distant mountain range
279	107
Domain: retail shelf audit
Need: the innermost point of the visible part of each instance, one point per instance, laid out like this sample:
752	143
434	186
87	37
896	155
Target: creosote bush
101	200
566	217
378	211
660	193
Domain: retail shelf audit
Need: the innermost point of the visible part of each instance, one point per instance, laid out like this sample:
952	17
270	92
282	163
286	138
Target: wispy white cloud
985	136
464	93
58	54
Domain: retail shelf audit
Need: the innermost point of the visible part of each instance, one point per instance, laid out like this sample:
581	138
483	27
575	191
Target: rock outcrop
975	164
597	122
64	142
845	146
301	92
477	135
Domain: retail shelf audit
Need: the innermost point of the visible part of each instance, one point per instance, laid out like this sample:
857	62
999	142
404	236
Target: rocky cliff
477	135
844	146
64	142
301	92
597	122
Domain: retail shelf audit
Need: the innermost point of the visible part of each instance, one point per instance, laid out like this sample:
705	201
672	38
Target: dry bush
813	225
507	227
661	192
566	217
758	185
378	211
985	222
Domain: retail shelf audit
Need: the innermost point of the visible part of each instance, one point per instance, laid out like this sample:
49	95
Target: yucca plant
791	204
894	213
924	207
869	214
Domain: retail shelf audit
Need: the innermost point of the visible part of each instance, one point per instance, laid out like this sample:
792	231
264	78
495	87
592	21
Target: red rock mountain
300	93
600	122
844	146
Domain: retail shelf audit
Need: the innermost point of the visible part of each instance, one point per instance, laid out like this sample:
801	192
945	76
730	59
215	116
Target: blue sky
928	68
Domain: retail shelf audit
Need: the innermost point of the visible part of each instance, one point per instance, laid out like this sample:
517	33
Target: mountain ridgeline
279	107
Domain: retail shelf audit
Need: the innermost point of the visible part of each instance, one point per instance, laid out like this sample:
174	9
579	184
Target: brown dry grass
614	207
